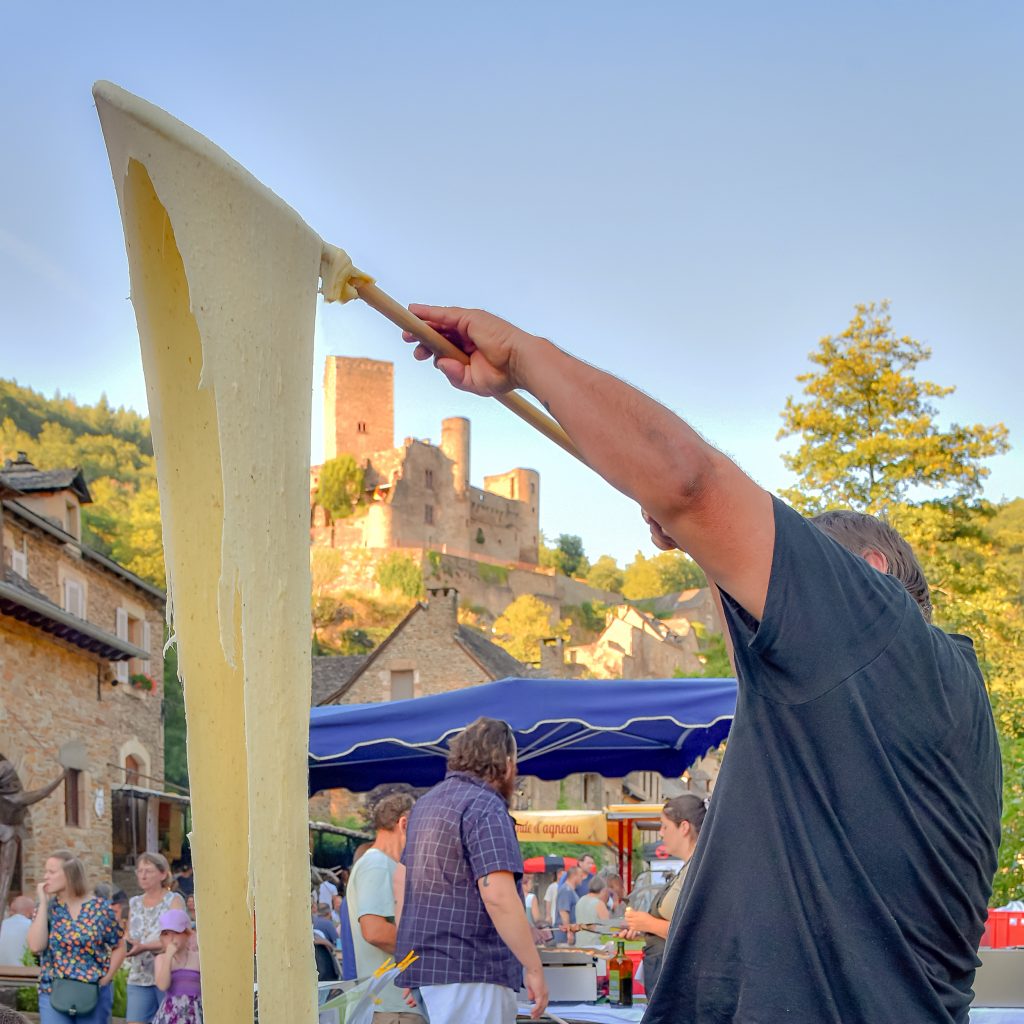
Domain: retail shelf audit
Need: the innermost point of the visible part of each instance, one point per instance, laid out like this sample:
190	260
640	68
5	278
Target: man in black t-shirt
844	869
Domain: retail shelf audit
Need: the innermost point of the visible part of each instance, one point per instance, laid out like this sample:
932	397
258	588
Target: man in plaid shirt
461	909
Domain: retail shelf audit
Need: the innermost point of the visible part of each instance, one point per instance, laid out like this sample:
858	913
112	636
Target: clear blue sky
688	194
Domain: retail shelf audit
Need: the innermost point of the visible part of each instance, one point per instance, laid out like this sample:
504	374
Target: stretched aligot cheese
223	280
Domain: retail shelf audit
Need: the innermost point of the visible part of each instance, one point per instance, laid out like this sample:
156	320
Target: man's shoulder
372	862
457	792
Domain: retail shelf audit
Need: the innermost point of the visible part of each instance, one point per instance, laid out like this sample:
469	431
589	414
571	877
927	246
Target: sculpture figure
14	805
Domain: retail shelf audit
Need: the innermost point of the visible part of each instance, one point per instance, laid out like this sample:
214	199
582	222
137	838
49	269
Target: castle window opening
73	798
361	427
430	479
428	514
132	771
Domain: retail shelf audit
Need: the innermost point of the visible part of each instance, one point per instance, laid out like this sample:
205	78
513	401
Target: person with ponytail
681	820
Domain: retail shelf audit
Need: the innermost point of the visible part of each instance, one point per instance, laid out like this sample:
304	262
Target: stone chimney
552	657
443	608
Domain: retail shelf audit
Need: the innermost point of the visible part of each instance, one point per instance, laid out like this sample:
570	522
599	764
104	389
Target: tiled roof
332	672
494	660
21	601
24	477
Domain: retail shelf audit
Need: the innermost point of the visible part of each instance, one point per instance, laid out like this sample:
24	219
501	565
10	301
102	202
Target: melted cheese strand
224	280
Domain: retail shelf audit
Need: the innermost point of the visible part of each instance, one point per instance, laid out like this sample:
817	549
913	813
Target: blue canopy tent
562	726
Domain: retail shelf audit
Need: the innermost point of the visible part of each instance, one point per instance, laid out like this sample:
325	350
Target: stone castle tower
359	406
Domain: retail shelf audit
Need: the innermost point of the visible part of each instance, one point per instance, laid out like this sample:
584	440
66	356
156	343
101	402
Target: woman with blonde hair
81	944
153	874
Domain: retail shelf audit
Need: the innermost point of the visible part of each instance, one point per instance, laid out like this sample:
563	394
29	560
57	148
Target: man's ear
876	559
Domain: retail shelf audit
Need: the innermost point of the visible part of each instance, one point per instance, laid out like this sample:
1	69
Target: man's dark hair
389	811
483	749
859	532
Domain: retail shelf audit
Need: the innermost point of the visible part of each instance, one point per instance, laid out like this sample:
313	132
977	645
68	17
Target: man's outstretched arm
701	500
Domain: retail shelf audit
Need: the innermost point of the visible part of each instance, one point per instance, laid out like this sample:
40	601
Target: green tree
868	429
1009	881
340	486
714	658
566	557
524	623
114	451
605	574
572	559
175	731
642	578
974	575
678	571
400	574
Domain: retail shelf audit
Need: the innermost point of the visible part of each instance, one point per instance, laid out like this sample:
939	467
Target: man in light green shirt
371	904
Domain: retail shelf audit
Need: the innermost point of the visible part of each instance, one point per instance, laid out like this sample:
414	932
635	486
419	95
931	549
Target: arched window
132	771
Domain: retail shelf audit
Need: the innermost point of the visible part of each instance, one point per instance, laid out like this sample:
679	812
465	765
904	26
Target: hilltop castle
418	496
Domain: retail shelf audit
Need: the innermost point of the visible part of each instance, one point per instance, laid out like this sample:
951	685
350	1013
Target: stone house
635	645
688	608
428	652
79	635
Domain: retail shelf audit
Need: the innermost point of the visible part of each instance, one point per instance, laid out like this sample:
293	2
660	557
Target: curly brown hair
484	749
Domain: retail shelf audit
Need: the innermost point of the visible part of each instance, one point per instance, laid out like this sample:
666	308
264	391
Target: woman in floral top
153	874
79	938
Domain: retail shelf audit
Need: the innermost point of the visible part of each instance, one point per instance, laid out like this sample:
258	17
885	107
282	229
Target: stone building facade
75	627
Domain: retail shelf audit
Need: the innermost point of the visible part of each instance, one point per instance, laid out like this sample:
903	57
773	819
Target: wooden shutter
19	563
121	629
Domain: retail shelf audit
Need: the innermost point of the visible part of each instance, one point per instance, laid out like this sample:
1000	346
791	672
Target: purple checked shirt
459	832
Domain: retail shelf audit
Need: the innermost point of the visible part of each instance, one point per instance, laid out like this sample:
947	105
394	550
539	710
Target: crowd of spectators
81	936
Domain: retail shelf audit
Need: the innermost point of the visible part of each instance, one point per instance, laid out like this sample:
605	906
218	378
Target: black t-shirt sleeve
828	613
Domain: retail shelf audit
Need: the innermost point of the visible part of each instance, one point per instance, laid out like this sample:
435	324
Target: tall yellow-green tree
868	427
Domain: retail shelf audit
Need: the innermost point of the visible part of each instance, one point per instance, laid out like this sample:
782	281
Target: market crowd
82	935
